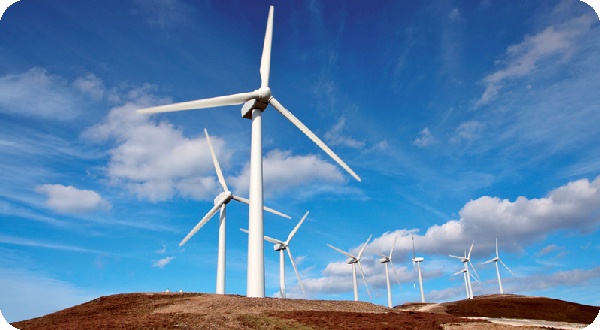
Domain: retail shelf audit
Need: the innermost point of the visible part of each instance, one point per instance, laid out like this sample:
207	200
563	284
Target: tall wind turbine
354	260
495	260
221	202
254	104
467	288
417	261
388	260
466	261
285	246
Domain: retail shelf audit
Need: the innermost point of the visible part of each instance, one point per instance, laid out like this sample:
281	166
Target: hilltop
211	311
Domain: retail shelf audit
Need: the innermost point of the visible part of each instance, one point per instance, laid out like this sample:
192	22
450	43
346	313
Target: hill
210	311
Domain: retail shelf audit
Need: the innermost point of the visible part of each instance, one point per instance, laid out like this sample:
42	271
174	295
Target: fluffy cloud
574	206
334	136
154	160
283	171
36	93
523	58
162	262
425	138
68	199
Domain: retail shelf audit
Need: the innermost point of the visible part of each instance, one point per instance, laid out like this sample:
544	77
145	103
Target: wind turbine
388	260
285	246
254	104
466	260
220	203
417	261
354	260
495	260
464	272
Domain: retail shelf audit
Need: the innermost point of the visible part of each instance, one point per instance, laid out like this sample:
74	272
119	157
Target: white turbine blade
363	247
471	249
296	228
202	222
244	230
268	209
474	270
392	250
287	114
265	61
381	255
203	103
459	272
475	278
216	162
296	270
503	264
364	279
273	240
451	256
487	262
341	251
497	248
395	273
414	274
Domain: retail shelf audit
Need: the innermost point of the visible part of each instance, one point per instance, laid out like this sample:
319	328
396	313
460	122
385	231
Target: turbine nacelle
223	198
384	260
418	259
350	261
279	247
263	95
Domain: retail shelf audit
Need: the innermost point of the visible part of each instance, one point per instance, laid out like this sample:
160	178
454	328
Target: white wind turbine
466	260
255	104
417	261
495	260
354	260
221	202
388	260
464	272
285	246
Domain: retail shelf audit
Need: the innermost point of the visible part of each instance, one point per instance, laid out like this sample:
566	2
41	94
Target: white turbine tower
221	202
417	261
495	260
285	246
354	260
255	104
388	260
466	260
464	272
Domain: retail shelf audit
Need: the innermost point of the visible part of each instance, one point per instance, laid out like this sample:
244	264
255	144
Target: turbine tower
417	261
388	260
466	260
285	246
354	260
220	203
254	104
495	260
464	272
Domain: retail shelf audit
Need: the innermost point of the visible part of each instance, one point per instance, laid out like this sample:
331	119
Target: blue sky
466	120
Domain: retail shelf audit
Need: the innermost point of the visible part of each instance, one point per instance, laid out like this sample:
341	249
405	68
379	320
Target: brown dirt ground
210	311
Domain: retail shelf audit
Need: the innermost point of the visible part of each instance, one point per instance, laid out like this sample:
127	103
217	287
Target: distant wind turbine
466	260
495	261
417	261
354	260
285	246
254	104
221	202
388	260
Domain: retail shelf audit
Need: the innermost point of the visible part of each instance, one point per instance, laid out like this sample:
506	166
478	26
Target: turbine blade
287	114
268	209
395	273
204	220
381	255
392	250
203	103
497	248
487	262
296	271
296	228
341	251
503	264
474	270
459	272
273	240
413	241
451	256
265	61
216	162
471	249
414	275
475	278
363	247
364	279
244	230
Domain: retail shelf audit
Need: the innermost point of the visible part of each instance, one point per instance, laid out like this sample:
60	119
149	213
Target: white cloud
524	58
467	131
36	93
283	171
68	199
334	136
162	262
91	85
425	138
154	160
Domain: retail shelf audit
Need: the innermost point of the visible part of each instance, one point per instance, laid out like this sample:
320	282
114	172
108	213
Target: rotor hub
279	247
223	197
260	103
351	261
